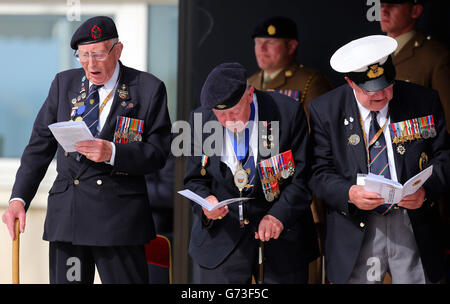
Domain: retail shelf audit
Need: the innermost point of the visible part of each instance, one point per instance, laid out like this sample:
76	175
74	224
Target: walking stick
261	262
15	253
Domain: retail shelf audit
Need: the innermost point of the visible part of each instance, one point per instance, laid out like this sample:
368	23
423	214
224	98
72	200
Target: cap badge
221	107
96	32
375	71
271	30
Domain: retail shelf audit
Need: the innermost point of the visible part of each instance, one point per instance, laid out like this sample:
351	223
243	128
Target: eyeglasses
97	56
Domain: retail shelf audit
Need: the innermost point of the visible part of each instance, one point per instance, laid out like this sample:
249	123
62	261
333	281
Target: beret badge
375	71
220	107
96	32
271	30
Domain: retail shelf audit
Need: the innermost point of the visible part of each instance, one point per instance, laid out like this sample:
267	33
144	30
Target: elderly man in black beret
276	44
271	236
98	213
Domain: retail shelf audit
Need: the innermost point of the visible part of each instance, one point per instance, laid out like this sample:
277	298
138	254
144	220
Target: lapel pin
354	139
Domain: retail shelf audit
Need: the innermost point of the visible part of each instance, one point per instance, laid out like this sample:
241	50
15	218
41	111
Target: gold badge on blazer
423	161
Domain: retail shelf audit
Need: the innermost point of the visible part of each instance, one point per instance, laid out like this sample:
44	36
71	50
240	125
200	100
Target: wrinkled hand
269	228
14	211
363	199
215	214
413	201
97	150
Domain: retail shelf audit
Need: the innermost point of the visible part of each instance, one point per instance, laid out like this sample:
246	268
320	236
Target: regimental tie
379	163
91	114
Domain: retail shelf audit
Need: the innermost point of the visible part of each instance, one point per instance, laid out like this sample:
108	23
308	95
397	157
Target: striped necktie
91	116
379	163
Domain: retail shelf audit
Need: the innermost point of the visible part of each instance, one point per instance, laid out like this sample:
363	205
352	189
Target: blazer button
66	154
362	225
76	182
99	182
246	222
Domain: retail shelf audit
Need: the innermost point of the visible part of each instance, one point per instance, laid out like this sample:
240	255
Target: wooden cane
261	262
15	253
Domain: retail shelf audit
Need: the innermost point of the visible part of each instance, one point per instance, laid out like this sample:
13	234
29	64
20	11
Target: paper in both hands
204	203
392	191
68	133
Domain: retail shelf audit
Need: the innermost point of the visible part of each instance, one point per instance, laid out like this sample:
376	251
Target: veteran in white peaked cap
376	124
367	61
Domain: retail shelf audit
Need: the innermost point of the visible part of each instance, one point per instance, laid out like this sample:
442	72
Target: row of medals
424	133
272	193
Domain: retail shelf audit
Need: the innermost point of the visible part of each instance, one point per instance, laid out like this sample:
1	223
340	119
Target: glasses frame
77	55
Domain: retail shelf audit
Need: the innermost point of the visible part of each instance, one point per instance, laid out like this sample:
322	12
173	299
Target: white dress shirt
381	118
103	92
228	156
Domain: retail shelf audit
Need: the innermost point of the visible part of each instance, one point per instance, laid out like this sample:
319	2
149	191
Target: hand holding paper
68	133
207	205
393	192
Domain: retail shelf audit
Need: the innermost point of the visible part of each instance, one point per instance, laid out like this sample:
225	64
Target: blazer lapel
354	136
266	115
123	103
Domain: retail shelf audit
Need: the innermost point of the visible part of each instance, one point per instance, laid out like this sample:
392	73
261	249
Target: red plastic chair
159	252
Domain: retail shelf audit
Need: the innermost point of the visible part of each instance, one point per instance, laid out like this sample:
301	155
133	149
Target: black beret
224	86
276	27
403	1
95	29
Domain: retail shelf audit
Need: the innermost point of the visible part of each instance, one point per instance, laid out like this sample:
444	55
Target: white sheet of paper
392	191
204	203
68	133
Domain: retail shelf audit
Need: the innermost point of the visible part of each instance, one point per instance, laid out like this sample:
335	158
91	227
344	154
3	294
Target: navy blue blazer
211	244
336	164
107	205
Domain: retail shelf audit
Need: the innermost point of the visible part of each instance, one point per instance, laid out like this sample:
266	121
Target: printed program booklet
392	191
204	203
